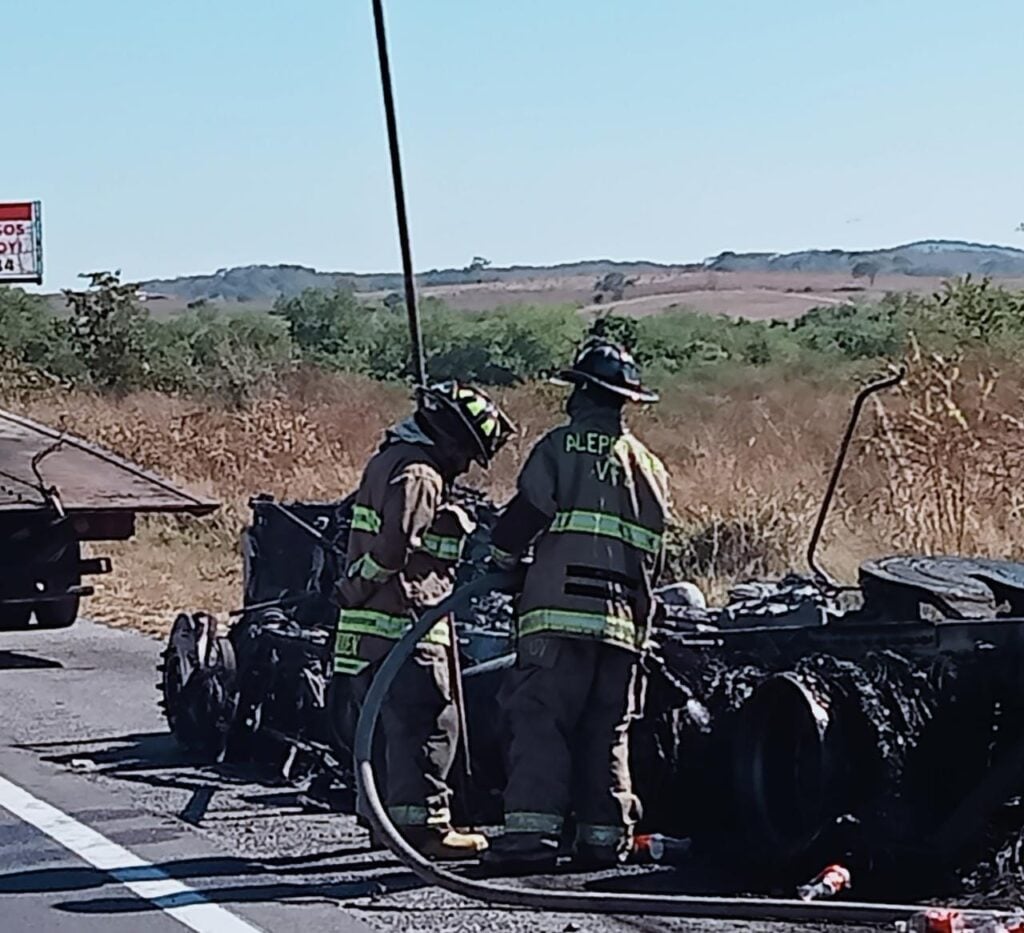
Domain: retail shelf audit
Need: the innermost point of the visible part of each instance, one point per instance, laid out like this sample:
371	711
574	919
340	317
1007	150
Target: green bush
111	342
857	332
334	331
231	355
682	342
496	347
31	335
108	332
969	311
502	347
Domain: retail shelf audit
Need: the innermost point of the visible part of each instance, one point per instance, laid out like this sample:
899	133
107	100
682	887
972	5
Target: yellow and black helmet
475	411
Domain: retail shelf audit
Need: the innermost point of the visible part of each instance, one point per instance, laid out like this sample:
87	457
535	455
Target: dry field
752	295
937	470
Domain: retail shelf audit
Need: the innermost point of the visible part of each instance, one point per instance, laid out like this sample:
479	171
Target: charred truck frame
814	723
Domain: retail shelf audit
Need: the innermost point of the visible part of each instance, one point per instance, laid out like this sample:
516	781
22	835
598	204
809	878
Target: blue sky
177	137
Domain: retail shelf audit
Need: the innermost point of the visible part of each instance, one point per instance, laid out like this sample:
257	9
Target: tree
477	267
865	269
108	330
612	285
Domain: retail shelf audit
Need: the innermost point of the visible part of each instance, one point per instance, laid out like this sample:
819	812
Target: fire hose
680	905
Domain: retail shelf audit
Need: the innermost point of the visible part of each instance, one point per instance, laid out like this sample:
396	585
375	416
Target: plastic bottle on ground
655	847
948	920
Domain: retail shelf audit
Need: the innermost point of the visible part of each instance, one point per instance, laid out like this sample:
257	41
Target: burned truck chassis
798	726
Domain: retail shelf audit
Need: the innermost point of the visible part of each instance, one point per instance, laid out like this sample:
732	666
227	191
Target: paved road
105	826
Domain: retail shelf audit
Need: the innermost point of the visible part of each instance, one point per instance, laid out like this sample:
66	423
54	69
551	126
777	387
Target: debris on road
655	847
827	883
83	765
947	920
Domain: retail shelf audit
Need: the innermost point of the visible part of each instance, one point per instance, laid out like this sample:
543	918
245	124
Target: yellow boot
445	844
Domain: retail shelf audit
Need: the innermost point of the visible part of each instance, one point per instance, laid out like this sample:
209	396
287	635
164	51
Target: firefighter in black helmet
404	546
593	500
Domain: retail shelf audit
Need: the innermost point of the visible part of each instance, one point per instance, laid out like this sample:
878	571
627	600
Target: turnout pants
568	704
418	729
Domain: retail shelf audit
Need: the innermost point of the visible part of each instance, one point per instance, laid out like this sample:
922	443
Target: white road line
175	899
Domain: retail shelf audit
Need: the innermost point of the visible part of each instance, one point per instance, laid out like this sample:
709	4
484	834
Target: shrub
29	333
498	348
230	355
111	342
978	312
858	331
108	332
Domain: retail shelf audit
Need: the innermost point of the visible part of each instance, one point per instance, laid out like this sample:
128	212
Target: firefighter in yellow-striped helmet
404	548
463	413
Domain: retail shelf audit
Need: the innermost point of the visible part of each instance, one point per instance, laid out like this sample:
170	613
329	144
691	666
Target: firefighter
404	545
594	500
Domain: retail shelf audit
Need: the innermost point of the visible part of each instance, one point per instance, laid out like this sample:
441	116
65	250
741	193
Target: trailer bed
86	477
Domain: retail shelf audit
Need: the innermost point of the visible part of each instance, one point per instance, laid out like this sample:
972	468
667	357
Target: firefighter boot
516	853
445	844
597	858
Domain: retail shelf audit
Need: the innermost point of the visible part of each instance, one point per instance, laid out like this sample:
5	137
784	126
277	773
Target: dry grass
953	449
937	469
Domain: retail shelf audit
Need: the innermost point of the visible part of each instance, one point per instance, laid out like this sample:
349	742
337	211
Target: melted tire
200	695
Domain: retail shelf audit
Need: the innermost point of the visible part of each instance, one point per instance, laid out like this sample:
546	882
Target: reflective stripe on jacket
606	497
404	546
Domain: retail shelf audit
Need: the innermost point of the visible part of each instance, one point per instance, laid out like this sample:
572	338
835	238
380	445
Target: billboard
21	242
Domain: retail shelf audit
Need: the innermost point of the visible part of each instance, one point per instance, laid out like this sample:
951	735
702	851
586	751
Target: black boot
522	853
597	858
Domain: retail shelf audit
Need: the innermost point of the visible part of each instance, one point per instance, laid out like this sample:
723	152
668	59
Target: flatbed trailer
57	491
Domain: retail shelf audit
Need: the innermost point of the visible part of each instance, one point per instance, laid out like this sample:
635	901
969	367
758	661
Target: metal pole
837	469
415	337
458	694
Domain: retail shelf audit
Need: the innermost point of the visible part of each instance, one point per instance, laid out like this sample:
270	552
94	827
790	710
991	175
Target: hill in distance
265	283
943	258
926	258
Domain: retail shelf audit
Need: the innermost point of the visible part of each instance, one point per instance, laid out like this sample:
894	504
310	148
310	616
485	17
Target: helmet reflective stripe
487	425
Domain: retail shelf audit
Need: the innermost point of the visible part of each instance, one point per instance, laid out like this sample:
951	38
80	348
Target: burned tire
780	768
59	575
199	685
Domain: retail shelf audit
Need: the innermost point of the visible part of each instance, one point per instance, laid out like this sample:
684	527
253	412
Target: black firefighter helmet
603	363
450	403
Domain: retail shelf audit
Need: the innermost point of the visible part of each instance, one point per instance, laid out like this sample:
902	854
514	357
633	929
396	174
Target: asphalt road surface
106	827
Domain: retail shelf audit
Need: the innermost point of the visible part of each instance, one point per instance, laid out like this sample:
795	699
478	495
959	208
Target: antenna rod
415	336
837	470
